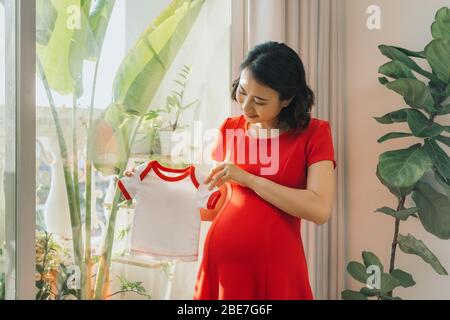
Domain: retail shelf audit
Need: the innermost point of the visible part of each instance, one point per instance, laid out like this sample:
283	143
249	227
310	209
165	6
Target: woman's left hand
226	172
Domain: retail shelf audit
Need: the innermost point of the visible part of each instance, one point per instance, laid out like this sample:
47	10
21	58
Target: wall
405	24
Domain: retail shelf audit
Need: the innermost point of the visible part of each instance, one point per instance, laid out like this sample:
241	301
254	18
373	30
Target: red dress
254	250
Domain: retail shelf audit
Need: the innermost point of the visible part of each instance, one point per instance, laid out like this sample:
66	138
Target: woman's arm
313	203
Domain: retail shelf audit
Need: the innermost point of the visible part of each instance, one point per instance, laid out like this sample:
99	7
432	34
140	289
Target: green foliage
175	107
402	171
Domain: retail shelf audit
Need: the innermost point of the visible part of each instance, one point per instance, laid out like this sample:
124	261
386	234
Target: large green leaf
395	69
80	41
402	214
393	135
415	93
404	278
416	54
371	259
75	35
409	244
358	271
99	18
399	192
438	53
369	292
143	69
434	209
403	168
441	26
421	126
395	116
45	21
395	54
445	183
55	55
439	157
388	283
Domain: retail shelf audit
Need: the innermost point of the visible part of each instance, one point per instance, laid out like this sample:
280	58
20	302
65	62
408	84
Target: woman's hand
226	172
130	171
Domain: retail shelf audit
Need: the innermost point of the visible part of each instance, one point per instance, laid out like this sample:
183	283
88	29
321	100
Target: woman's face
259	103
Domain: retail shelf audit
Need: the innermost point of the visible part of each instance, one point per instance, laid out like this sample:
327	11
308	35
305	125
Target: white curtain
314	28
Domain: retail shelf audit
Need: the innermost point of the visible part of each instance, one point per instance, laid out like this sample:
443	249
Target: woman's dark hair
279	67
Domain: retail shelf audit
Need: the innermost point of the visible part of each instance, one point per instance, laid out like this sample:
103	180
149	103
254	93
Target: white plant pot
165	138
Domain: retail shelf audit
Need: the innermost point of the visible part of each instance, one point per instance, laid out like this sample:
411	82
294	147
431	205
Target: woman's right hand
130	171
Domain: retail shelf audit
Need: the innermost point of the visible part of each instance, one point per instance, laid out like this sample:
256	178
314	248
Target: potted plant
169	120
403	171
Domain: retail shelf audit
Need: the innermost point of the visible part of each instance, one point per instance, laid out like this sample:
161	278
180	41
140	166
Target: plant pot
166	142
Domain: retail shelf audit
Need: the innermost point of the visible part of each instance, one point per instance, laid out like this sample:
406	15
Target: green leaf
55	55
388	283
370	259
439	157
395	69
358	271
352	295
421	126
399	192
434	209
369	292
143	69
416	54
402	214
415	93
40	268
441	26
45	21
393	135
403	168
383	80
444	110
394	53
445	183
438	53
40	284
404	278
99	19
392	117
409	244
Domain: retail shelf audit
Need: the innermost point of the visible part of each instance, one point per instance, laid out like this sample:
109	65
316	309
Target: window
103	101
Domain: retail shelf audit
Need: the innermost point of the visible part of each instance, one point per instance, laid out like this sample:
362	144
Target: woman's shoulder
233	122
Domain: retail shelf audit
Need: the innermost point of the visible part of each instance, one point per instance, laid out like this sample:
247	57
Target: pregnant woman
279	165
253	249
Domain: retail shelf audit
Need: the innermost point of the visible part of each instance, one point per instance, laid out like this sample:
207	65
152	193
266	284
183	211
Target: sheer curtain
314	28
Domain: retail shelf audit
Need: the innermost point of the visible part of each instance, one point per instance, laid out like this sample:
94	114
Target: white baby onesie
167	218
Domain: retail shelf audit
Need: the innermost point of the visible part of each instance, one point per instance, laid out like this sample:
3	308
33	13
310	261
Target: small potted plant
168	121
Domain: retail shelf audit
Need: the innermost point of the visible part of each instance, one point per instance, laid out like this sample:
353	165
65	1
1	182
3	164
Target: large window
114	80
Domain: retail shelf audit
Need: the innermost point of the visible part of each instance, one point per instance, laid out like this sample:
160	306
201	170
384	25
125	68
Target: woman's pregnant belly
251	230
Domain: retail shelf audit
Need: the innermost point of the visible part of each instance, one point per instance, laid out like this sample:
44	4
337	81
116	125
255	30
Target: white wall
405	23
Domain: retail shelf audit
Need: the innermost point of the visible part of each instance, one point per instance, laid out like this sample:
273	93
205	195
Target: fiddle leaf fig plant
402	171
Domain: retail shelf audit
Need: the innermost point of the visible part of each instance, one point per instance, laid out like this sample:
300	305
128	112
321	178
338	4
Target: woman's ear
287	102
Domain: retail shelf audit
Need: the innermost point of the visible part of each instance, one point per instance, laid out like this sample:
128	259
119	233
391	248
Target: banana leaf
138	79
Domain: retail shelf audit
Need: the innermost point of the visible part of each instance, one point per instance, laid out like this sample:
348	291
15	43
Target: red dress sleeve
320	145
218	151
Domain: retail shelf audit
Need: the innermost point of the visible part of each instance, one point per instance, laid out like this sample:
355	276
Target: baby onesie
166	223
